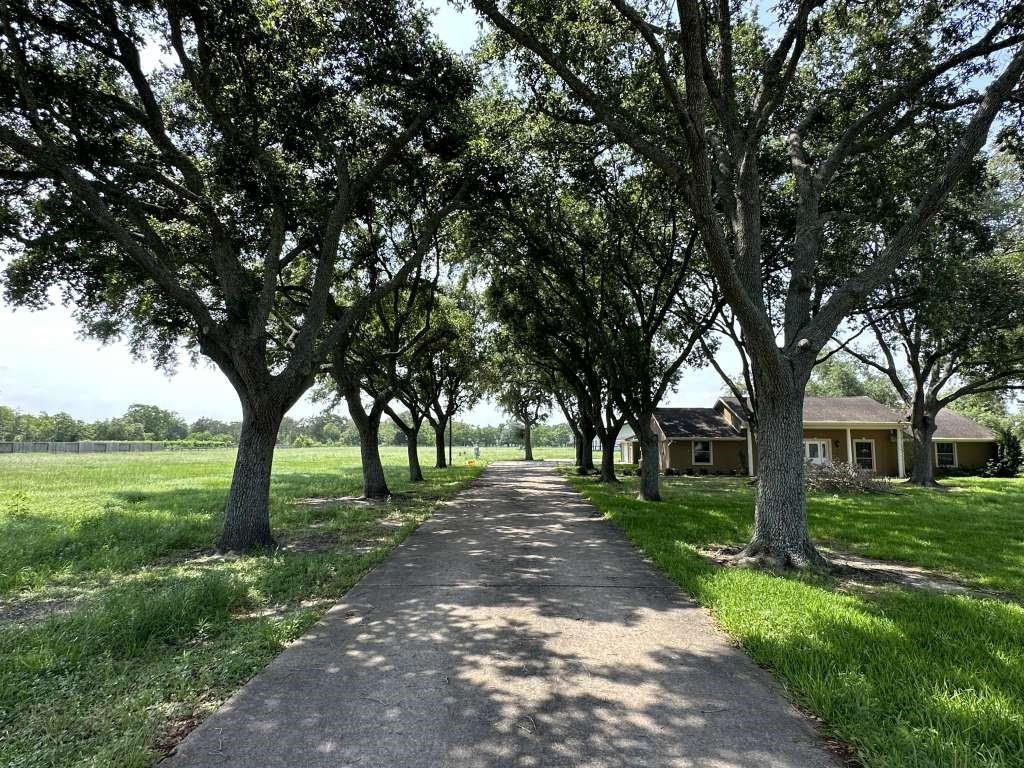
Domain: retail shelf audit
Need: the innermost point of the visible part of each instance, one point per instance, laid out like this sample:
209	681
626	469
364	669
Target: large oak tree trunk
578	446
922	471
527	440
587	453
415	471
577	442
608	457
375	485
650	463
411	430
247	514
781	537
441	458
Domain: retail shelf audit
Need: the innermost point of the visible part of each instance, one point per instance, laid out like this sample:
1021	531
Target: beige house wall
970	455
725	454
974	455
729	456
886	461
836	439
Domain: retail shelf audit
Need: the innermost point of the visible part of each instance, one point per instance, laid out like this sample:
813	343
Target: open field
118	628
907	678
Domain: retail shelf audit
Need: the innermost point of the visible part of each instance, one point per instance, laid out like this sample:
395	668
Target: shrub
303	441
840	477
218	441
1008	455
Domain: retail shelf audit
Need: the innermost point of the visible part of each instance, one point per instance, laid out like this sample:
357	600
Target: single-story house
716	440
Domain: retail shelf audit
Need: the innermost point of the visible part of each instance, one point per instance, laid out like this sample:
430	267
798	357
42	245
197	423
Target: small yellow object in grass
471	463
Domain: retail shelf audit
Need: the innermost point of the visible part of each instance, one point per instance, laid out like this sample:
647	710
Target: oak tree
705	91
189	173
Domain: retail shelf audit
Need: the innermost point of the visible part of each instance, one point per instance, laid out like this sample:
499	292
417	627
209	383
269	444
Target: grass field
907	678
119	629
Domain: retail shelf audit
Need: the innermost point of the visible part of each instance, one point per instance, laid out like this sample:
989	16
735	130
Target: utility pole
451	431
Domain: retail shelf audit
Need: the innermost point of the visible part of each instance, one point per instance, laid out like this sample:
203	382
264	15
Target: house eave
854	424
705	437
937	439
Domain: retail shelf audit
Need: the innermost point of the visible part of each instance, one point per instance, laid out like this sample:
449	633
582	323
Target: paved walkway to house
514	628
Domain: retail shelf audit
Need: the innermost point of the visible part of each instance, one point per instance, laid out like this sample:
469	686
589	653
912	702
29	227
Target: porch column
900	466
849	447
750	453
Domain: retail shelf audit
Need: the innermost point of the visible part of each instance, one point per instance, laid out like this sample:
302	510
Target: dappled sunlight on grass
908	678
154	629
975	533
67	517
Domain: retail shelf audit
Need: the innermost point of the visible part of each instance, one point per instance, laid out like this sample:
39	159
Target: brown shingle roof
951	425
693	422
853	410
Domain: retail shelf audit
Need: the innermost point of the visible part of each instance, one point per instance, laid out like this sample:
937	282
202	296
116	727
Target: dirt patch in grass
865	572
35	609
167	742
351	501
854	571
316	542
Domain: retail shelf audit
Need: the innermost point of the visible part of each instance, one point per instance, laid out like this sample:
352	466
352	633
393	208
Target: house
624	434
716	440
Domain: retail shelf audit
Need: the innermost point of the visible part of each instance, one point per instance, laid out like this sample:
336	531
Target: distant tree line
139	422
150	422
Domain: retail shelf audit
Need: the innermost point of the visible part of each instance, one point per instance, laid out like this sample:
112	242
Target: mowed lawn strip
907	678
154	632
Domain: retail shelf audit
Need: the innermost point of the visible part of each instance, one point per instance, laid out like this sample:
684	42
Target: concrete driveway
514	628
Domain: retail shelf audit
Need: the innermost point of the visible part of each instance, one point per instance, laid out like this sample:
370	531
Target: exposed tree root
267	545
759	556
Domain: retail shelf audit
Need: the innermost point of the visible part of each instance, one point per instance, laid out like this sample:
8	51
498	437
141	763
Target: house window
945	455
864	454
816	451
702	452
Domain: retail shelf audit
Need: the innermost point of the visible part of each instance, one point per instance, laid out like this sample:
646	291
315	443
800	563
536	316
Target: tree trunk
247	514
441	460
587	455
650	463
608	457
415	471
375	485
577	440
922	471
527	440
781	537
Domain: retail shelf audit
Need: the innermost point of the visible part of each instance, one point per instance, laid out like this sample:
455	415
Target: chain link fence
85	446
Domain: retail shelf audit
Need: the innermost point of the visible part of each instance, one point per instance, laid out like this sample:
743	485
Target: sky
45	365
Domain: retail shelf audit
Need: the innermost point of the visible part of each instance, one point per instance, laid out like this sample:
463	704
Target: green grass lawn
906	678
152	632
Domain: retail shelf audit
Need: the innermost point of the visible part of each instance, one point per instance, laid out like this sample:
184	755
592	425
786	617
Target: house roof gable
858	409
950	425
710	423
693	422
